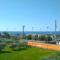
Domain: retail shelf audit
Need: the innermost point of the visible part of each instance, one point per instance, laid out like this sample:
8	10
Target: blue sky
31	13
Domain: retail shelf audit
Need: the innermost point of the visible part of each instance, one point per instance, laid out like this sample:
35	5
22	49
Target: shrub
49	38
42	37
18	46
7	35
2	46
29	37
36	37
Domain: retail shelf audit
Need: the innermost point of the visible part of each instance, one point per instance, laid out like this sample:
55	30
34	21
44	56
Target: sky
39	14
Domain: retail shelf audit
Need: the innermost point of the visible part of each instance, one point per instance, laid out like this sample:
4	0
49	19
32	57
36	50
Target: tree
0	34
43	38
7	35
29	37
2	45
49	38
36	37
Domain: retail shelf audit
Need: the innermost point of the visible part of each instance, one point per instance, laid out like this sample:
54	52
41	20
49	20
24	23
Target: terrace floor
45	45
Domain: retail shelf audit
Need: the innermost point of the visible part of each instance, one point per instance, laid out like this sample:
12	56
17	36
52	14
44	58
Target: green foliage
29	37
2	46
55	56
45	38
42	37
18	46
7	35
49	38
16	38
36	37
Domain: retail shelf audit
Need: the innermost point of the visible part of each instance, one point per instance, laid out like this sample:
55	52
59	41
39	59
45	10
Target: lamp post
55	29
47	39
32	32
23	28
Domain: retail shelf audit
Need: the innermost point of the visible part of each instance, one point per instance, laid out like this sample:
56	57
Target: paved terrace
44	45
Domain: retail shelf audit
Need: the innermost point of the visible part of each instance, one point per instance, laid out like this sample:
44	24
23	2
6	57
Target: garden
22	51
12	49
26	54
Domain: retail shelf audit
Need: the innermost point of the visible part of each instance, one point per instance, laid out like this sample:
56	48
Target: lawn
25	54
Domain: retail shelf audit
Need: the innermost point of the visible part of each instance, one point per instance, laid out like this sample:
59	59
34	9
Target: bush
18	46
42	37
29	37
49	38
2	46
6	34
36	37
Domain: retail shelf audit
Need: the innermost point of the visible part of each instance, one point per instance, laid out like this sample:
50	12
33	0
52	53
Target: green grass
55	56
25	54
